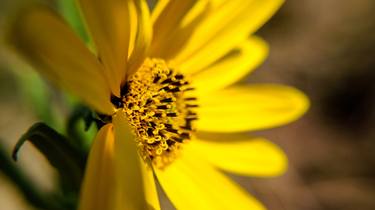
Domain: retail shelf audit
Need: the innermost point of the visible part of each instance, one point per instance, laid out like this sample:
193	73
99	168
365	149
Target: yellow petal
114	179
190	183
229	24
168	15
150	187
251	157
109	25
44	39
135	190
242	60
250	107
98	188
173	23
142	37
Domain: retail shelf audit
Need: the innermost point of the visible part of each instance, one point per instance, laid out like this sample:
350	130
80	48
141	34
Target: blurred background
325	48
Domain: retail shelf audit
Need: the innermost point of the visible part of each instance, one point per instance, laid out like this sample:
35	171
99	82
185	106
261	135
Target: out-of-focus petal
98	188
109	23
134	189
44	39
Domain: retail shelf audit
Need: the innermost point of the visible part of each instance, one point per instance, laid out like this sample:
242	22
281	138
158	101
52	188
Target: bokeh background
325	48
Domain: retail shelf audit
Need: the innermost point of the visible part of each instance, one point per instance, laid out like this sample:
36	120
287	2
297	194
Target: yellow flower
163	84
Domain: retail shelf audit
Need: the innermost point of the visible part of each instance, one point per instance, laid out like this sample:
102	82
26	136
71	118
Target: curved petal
173	23
135	187
114	178
250	107
241	61
109	23
142	36
167	16
250	157
98	187
228	24
150	187
44	39
191	183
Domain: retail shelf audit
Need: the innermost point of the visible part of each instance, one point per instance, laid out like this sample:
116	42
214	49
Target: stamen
179	76
190	99
191	105
155	100
172	115
167	100
163	107
189	89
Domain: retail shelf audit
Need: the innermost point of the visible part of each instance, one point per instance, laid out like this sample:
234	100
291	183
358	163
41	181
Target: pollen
160	106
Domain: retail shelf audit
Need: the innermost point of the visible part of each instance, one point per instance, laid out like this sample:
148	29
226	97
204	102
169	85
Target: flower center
160	107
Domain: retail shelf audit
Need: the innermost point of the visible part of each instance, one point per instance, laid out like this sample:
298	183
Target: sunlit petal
190	183
250	107
250	156
229	24
173	23
142	36
150	187
241	61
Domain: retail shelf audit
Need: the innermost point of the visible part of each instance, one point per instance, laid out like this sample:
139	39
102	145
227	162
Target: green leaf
80	127
68	161
31	192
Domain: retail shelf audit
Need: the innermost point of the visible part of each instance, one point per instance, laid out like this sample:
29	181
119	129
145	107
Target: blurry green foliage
69	10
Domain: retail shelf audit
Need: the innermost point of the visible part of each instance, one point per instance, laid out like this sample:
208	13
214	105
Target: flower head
158	81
